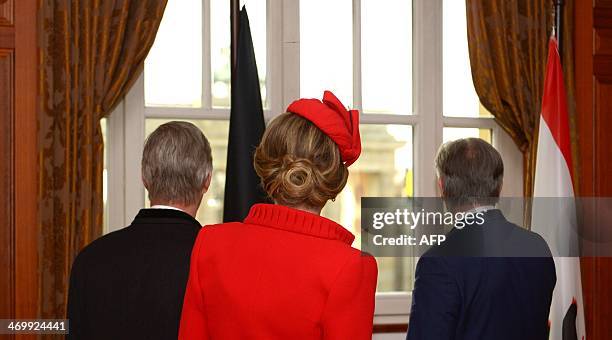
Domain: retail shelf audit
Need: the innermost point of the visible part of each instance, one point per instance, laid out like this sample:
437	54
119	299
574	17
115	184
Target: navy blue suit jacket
491	292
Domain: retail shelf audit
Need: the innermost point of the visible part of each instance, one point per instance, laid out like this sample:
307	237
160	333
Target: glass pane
220	52
220	49
459	98
211	210
257	20
386	64
453	133
326	49
173	68
384	169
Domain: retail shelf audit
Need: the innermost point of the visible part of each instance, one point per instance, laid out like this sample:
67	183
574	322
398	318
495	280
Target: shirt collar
160	206
481	209
165	216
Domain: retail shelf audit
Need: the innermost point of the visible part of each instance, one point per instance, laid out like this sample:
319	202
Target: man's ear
146	185
440	187
207	183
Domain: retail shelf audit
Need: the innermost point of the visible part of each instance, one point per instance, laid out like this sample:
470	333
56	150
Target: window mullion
357	88
274	55
427	53
290	51
134	123
469	122
206	56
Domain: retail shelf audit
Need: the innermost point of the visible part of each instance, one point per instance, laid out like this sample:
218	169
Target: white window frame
126	131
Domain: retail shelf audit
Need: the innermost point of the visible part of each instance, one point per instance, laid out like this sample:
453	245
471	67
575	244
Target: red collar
297	221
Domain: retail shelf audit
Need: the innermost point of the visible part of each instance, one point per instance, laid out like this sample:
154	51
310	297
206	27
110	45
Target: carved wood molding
6	12
7	218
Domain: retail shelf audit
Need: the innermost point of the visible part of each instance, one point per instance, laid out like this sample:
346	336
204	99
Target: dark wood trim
583	53
7	171
391	328
7	176
26	156
593	70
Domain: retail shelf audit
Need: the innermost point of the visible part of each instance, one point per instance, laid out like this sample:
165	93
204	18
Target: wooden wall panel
603	126
600	3
6	184
6	12
18	161
26	161
7	202
593	67
603	42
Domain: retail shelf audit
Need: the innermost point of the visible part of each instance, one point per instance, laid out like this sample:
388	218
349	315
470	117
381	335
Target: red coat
281	274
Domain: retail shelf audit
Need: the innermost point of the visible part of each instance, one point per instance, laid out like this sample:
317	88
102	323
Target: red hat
331	117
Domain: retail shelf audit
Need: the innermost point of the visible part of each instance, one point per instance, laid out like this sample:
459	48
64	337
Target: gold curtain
508	45
90	54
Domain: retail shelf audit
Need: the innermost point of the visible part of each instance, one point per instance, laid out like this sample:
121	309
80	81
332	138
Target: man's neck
191	210
482	208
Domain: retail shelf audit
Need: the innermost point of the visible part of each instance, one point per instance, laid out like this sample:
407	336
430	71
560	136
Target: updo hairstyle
299	165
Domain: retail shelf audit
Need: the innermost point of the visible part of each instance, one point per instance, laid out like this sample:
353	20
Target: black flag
242	188
569	322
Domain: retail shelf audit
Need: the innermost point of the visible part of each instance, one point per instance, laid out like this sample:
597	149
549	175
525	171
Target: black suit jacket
130	283
491	292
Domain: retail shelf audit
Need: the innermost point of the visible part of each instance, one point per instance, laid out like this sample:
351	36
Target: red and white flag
553	178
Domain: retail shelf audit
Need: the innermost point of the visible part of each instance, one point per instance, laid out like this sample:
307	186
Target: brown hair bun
298	164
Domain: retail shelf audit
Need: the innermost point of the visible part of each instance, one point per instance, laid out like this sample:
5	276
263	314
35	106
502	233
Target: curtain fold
90	54
508	44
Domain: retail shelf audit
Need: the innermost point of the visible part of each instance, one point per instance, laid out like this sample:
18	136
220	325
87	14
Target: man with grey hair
490	279
130	283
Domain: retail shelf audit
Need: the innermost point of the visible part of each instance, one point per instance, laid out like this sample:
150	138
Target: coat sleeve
349	310
193	319
436	302
75	311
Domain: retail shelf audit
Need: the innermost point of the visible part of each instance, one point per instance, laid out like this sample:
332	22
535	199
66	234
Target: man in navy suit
493	280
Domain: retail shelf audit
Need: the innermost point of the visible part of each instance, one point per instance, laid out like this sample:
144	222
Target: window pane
257	20
459	98
173	68
211	210
326	49
220	47
384	169
220	52
386	64
453	133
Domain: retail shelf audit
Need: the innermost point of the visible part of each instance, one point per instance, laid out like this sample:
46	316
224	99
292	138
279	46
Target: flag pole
559	24
235	29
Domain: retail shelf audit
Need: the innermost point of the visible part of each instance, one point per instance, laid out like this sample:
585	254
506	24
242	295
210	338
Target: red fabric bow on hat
331	117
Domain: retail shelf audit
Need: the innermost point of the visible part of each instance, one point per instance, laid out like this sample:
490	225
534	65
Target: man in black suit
130	283
491	279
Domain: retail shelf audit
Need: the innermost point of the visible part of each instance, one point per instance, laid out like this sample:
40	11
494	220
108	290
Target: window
403	64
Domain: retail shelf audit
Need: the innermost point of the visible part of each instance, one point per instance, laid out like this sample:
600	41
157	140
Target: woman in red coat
285	272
